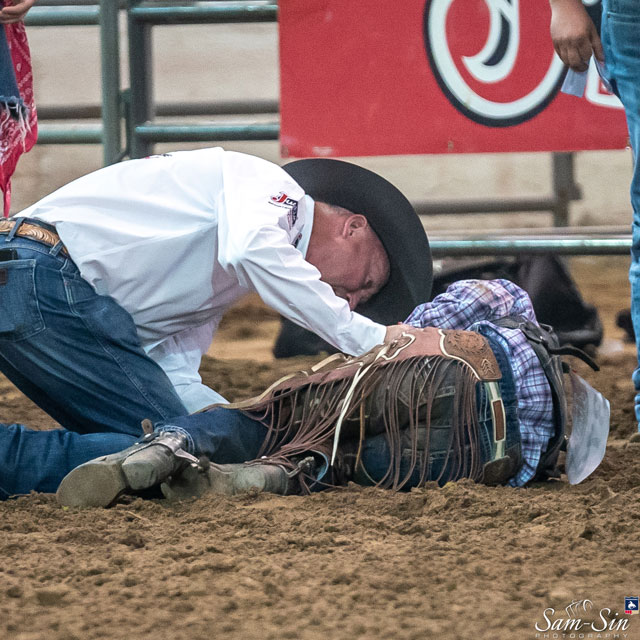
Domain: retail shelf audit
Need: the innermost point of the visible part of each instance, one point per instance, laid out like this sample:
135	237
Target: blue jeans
76	355
38	460
620	28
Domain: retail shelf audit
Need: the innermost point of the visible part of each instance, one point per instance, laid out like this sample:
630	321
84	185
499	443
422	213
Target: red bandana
17	136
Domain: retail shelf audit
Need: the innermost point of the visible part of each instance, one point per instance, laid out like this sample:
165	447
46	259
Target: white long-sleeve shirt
176	239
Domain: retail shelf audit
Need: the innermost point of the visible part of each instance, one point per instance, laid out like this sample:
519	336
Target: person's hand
573	34
16	11
396	330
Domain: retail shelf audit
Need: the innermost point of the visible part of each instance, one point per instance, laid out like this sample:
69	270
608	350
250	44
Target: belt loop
13	231
56	249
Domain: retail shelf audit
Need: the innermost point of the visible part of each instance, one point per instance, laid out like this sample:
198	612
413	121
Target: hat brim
393	219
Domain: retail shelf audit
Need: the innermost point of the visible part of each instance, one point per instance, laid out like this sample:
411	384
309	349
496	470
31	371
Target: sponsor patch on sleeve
283	201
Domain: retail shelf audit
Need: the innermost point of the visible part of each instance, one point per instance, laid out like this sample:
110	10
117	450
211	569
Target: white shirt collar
308	205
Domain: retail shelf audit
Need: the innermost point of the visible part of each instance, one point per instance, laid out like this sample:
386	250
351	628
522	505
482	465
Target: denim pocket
20	315
628	9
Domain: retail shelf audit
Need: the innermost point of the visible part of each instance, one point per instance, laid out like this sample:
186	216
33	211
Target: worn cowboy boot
231	479
99	482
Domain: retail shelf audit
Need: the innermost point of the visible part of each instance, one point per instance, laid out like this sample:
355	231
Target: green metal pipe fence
568	245
203	12
142	16
169	109
61	16
135	108
105	16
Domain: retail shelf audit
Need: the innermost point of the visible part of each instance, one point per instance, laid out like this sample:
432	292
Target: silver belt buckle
498	417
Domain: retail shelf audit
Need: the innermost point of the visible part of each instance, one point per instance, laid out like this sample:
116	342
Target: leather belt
33	232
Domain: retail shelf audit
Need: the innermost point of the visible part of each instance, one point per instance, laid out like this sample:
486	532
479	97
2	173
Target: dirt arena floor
465	561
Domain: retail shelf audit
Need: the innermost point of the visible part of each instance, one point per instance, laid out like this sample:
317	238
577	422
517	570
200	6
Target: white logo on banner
492	64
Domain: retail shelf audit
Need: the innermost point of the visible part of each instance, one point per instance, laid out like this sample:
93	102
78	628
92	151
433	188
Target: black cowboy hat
393	219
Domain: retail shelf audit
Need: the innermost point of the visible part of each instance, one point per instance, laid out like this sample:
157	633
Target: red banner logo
433	76
487	58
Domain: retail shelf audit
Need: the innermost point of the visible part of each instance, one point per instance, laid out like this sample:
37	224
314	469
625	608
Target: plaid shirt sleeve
468	303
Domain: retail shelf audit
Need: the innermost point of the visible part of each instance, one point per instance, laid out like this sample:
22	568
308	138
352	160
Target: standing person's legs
620	27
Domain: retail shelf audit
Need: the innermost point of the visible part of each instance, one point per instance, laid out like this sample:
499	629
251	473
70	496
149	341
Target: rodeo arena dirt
465	561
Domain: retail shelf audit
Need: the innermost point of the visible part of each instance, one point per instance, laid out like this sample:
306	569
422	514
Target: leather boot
230	479
99	482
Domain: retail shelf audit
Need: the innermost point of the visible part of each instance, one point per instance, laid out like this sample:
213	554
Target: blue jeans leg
38	460
620	28
224	436
376	453
73	352
77	355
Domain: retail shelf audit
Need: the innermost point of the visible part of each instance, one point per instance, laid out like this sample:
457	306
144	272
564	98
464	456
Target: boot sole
97	483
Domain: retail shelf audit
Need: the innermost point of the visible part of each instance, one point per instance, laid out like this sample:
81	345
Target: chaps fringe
303	420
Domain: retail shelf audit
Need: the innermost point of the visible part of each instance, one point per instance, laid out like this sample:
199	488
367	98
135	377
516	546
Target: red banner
383	77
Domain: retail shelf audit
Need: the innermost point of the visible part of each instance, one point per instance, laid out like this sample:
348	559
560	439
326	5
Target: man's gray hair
336	209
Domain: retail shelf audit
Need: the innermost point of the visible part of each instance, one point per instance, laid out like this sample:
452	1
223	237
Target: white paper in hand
574	83
588	441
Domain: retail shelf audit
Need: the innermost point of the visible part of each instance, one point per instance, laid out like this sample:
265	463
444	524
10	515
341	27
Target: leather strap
33	232
473	349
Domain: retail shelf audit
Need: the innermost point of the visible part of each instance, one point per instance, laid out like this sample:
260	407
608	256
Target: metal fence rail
168	109
104	15
569	245
203	12
142	16
63	16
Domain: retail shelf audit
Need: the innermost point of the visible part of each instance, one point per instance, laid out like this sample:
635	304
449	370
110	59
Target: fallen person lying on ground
475	391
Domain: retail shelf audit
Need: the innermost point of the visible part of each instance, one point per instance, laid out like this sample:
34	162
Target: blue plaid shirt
469	304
